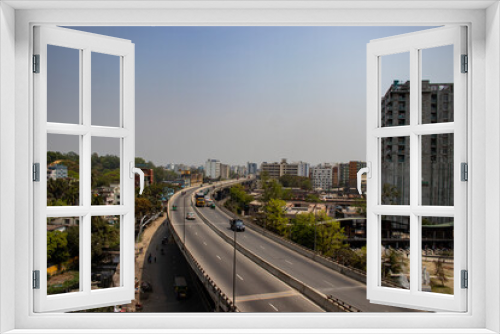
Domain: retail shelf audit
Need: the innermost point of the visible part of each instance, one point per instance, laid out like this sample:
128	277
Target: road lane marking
241	278
262	247
289	262
330	284
196	233
219	257
245	237
274	307
264	296
204	243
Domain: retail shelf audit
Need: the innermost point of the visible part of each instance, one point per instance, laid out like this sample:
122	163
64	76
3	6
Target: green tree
73	237
390	194
294	181
105	237
239	199
303	229
392	261
275	212
142	206
330	235
57	247
313	198
440	271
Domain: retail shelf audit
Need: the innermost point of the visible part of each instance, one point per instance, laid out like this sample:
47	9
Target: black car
238	226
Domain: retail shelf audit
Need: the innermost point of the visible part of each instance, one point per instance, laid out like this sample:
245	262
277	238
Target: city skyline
242	94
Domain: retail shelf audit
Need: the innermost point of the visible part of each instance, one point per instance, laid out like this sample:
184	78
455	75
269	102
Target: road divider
328	303
221	300
353	273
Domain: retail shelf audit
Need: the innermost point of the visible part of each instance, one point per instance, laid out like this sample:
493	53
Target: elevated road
311	273
256	289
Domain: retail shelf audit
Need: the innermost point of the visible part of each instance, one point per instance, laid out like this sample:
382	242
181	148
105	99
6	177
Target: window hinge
36	63
464	168
36	279
465	64
464	279
36	172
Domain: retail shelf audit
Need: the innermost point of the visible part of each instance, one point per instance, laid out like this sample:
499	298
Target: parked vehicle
180	287
174	207
237	225
190	216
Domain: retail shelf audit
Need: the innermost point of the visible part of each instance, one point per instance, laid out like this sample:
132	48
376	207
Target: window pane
437	254
63	84
105	89
395	171
105	248
437	169
105	171
437	84
63	170
63	251
395	257
395	90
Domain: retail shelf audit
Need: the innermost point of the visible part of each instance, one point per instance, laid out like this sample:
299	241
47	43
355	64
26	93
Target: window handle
362	171
133	171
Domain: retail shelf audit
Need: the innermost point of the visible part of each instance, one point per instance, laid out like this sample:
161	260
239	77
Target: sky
236	94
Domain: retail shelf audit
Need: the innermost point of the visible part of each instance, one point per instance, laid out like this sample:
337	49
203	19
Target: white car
190	216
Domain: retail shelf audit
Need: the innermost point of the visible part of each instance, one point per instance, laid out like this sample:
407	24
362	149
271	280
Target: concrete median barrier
328	303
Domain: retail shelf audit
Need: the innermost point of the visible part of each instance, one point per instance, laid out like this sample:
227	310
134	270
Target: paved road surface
302	268
256	289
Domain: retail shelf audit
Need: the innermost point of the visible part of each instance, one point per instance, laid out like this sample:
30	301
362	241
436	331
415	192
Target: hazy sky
236	94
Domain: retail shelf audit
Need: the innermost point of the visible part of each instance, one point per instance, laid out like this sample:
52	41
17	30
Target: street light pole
234	268
315	226
184	222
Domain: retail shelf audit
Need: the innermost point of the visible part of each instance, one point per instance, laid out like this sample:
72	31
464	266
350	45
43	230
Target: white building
302	169
322	176
212	168
57	171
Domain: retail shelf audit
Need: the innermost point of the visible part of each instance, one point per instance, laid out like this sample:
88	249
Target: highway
302	268
256	289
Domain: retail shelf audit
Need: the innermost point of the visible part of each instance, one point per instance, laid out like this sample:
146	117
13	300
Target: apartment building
322	177
212	168
278	169
224	171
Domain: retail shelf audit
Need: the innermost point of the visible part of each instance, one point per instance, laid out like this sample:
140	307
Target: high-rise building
224	171
251	168
335	176
343	178
212	168
436	149
322	176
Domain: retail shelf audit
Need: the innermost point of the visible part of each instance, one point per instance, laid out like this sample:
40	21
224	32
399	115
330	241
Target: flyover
256	289
300	267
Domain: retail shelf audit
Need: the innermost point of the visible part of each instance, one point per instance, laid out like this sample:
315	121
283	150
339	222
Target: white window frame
15	45
86	44
413	44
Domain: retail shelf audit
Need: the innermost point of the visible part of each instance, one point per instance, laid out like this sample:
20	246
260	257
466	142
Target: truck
200	199
180	287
